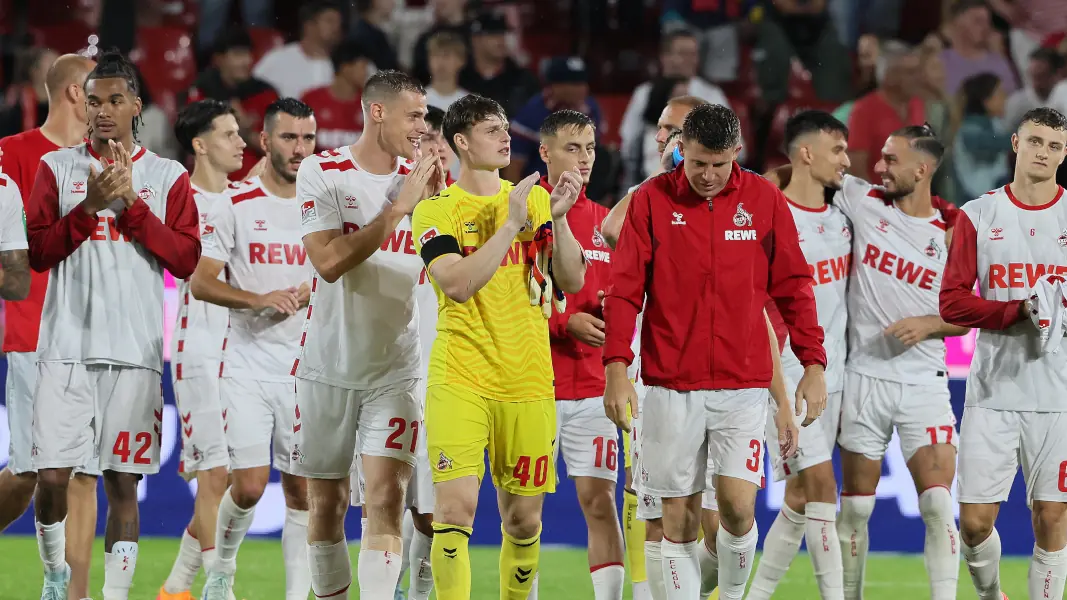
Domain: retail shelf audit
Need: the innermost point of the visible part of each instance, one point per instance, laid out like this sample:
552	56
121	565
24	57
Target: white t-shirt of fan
196	347
362	330
258	236
897	265
826	239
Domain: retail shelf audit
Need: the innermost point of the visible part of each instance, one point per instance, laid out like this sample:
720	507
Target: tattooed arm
14	275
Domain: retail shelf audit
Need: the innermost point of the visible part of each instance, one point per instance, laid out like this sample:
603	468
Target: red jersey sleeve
51	238
959	305
175	243
629	274
790	286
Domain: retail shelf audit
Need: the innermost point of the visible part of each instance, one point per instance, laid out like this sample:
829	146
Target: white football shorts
260	419
872	408
588	439
816	443
995	443
105	415
388	420
203	425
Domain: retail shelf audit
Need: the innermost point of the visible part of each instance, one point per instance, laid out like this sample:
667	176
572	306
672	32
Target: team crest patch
297	454
146	193
933	250
443	462
598	237
742	218
1062	239
308	212
846	232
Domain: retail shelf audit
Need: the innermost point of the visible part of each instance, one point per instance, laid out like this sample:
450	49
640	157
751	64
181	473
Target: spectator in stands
567	88
1042	75
300	66
679	58
215	14
156	132
801	29
229	79
894	105
449	16
368	29
970	34
26	101
447	52
1032	22
942	114
980	157
338	108
718	25
866	81
492	72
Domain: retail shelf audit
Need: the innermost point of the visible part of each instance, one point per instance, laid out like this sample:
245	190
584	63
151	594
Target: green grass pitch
260	574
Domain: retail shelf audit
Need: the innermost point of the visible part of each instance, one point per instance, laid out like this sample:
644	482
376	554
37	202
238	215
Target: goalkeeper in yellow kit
487	244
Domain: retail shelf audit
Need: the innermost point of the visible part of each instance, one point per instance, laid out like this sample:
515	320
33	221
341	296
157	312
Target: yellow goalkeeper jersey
495	344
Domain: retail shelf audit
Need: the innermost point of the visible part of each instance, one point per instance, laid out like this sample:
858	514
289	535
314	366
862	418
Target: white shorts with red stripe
203	425
260	422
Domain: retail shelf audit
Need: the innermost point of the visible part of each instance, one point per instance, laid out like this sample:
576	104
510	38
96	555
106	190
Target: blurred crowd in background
969	68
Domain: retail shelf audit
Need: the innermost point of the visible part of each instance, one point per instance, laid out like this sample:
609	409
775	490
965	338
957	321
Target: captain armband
438	246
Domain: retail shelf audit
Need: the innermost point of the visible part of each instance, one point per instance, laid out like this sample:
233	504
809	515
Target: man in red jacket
703	247
587	437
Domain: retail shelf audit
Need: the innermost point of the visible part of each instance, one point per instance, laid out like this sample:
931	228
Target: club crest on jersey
598	238
743	218
1062	239
996	233
77	187
146	193
350	202
846	232
883	225
822	229
261	225
430	234
933	250
679	219
308	212
297	454
443	462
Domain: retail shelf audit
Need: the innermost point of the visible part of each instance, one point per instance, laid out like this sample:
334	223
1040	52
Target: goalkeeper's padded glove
543	289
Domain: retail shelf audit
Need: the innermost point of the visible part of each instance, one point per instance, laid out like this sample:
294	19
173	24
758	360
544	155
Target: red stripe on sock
191	534
337	593
734	534
208	548
936	485
674	542
604	566
851	495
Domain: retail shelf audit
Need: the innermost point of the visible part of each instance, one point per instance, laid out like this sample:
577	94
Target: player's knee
213	482
328	504
796	497
654	530
598	504
820	484
521	520
53	481
20	487
977	526
736	515
935	505
247	490
121	488
1049	519
384	508
295	491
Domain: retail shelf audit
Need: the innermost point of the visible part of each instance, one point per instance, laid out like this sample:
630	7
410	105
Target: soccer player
1015	411
358	370
817	144
208	131
588	439
64	126
693	412
14	264
255	236
107	217
895	374
490	384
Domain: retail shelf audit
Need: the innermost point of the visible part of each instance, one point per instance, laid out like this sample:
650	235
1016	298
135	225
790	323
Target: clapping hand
565	193
517	209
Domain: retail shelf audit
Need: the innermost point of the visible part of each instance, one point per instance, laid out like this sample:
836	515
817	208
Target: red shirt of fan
339	122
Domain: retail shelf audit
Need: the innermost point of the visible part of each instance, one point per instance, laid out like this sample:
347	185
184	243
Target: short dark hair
311	10
289	106
713	126
384	85
811	121
976	90
678	34
111	64
467	112
923	139
198	118
348	52
1046	117
961	6
1050	57
435	118
234	38
565	118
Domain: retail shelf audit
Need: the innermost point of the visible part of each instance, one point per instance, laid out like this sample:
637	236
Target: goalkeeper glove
543	289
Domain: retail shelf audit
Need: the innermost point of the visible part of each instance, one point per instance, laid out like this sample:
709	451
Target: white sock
681	569
641	590
186	565
230	531
210	560
824	548
983	563
780	547
533	587
331	569
736	554
654	570
941	551
608	581
407	530
377	572
709	569
852	532
420	580
119	565
1047	573
52	544
294	553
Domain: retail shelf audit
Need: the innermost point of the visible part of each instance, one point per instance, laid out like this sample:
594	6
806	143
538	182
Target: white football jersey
1009	247
12	216
426	300
896	273
258	236
826	239
362	331
196	346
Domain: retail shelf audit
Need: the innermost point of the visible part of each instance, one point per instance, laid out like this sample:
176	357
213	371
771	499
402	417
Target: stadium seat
165	56
64	38
612	107
264	39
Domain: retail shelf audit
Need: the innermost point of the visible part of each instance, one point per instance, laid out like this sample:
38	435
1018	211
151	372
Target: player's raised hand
565	193
283	301
619	395
101	188
517	210
124	162
788	433
811	393
414	189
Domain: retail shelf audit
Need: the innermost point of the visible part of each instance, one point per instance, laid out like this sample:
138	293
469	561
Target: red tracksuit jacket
579	368
705	270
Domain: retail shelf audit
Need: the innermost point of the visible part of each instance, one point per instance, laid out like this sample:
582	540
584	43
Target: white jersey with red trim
257	235
12	216
196	347
426	300
1014	246
826	239
897	265
362	331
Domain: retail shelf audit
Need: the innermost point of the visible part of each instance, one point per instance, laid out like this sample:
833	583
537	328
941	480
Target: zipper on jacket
711	288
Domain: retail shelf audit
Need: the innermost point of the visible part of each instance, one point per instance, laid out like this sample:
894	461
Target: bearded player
490	384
